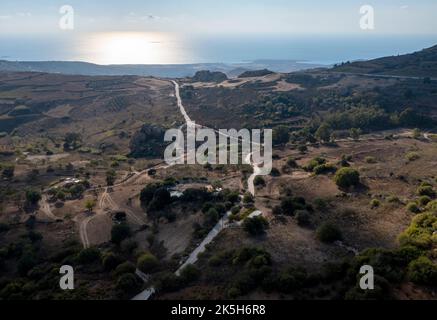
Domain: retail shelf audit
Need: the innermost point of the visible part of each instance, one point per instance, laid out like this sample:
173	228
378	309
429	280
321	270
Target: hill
418	64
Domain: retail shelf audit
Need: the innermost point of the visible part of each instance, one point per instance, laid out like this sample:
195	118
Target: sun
130	48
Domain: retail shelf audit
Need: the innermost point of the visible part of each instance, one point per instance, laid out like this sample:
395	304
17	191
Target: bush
426	190
189	274
424	200
110	261
370	160
33	197
88	256
259	181
412	156
413	207
324	168
423	271
125	267
119	233
147	263
127	283
329	233
314	163
168	282
275	172
375	203
347	177
255	226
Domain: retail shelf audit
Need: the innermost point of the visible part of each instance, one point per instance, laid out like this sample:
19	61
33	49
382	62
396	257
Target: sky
194	17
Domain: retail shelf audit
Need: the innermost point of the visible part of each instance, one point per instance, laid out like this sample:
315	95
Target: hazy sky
220	17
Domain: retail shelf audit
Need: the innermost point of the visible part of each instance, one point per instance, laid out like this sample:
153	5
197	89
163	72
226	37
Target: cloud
404	7
5	17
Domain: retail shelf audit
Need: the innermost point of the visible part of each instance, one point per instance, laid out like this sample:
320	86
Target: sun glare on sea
131	48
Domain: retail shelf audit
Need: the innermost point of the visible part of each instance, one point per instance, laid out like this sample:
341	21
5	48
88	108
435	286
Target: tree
255	226
147	193
259	181
161	199
119	233
189	274
417	134
110	177
72	141
281	135
328	233
32	197
323	133
355	133
347	177
110	261
147	263
90	204
127	283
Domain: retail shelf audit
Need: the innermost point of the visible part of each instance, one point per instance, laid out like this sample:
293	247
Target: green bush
110	261
375	203
324	168
255	226
413	207
370	160
125	267
127	283
189	274
424	200
147	263
329	233
302	217
347	177
423	271
426	191
412	156
259	181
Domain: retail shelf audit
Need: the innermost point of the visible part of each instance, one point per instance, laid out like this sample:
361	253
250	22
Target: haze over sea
162	48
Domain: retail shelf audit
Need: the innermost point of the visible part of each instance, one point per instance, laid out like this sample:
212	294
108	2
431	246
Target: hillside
418	64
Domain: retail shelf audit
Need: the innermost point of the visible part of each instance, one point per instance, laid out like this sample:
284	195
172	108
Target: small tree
255	226
32	197
324	133
355	133
347	177
90	204
147	263
328	233
110	177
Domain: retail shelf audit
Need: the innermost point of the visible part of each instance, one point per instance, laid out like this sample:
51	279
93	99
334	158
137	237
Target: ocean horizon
157	49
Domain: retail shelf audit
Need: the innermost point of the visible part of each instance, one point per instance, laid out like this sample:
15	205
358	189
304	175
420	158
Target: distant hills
169	71
418	64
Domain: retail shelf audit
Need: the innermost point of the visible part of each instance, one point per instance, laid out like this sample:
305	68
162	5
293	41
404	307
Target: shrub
259	181
320	204
432	206
426	191
393	199
291	163
412	156
127	283
147	263
413	207
255	226
423	271
275	172
375	203
119	233
88	256
324	168
347	177
420	232
314	163
125	267
110	261
424	200
189	274
32	197
168	282
329	233
370	159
